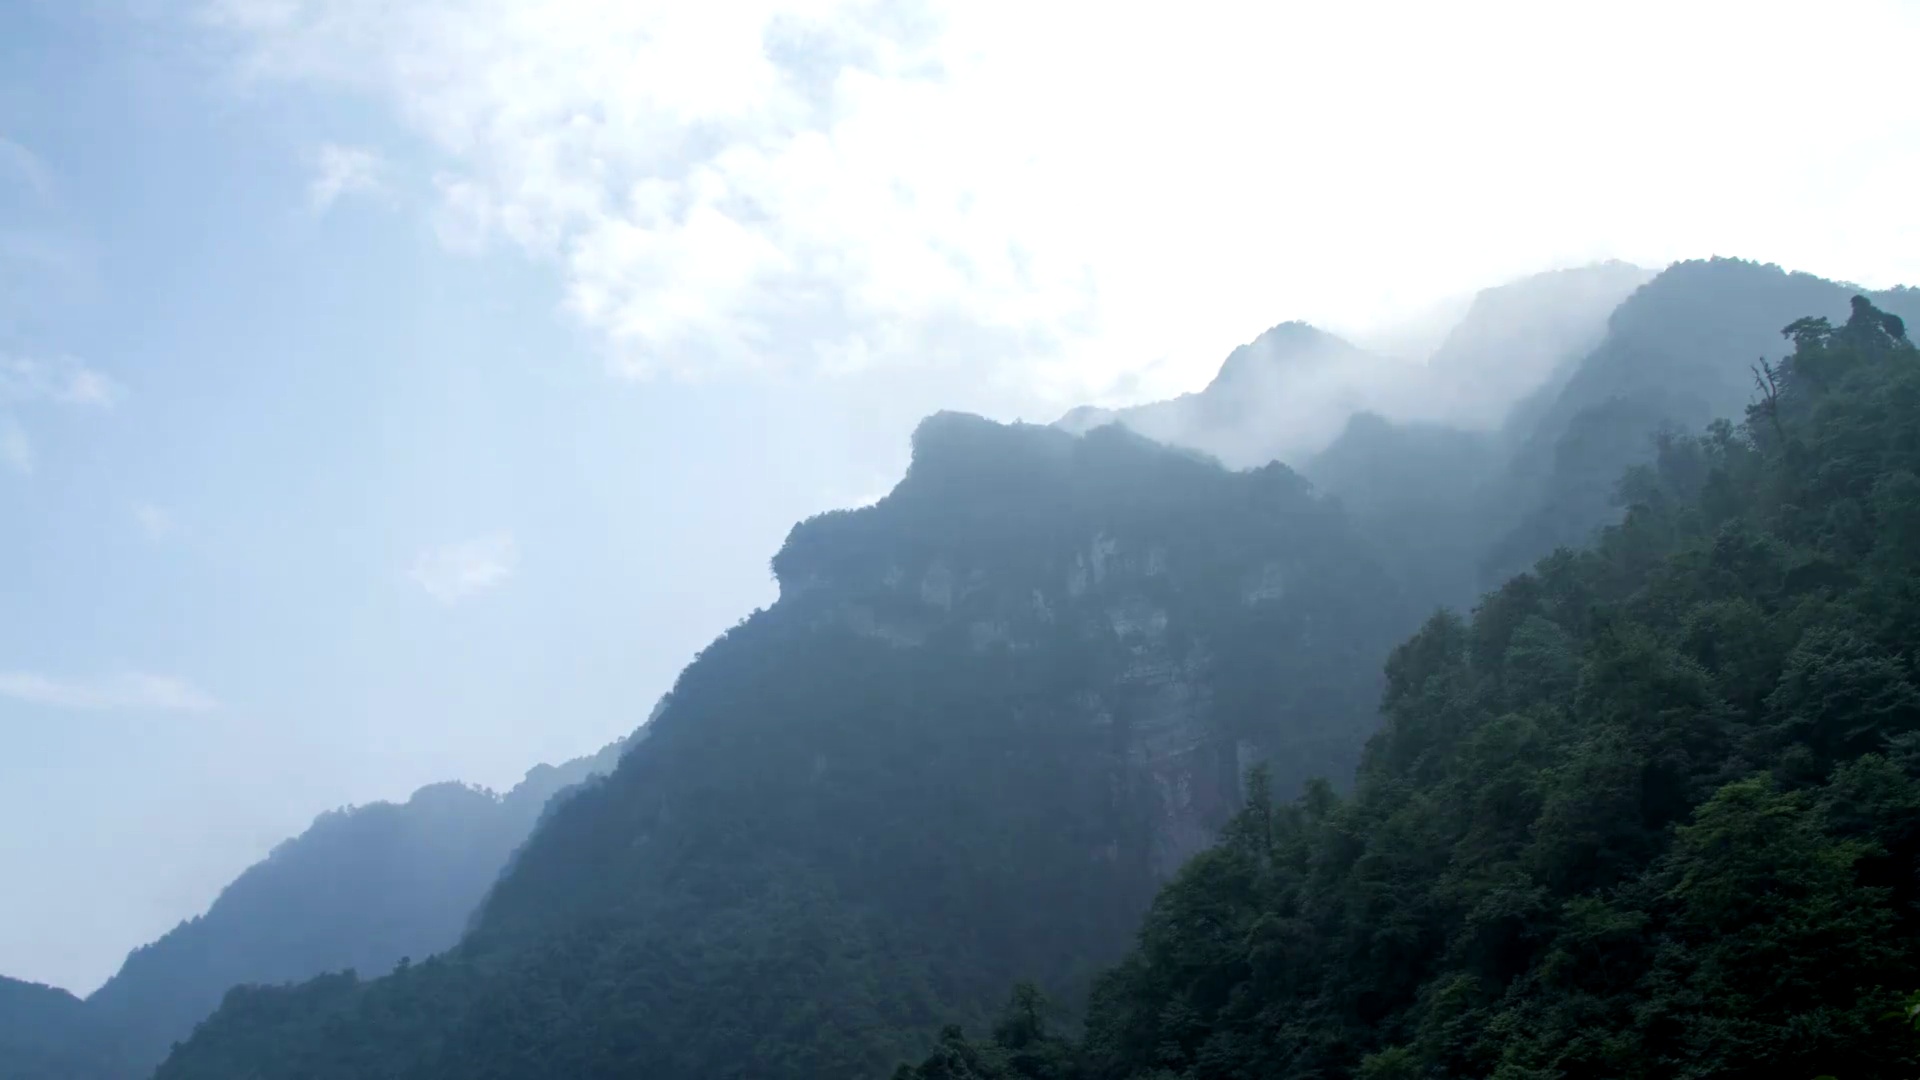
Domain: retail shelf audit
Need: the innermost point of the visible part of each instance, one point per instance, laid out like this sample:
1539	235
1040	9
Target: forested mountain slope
1653	812
1413	488
1678	353
46	1034
361	889
986	717
1471	508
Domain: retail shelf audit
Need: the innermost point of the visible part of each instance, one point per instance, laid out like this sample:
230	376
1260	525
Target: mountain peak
1288	343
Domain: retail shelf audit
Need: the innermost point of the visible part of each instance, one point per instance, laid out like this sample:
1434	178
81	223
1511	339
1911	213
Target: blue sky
395	393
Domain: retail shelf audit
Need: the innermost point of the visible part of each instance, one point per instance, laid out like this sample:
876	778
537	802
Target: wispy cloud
456	571
32	382
128	691
23	167
343	170
59	380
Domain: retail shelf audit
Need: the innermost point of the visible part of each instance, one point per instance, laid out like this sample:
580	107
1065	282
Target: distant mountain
1682	350
1413	487
1290	393
1517	340
1282	395
986	716
362	889
47	1034
1468	508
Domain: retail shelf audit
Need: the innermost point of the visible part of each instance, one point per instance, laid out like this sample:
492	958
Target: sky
399	393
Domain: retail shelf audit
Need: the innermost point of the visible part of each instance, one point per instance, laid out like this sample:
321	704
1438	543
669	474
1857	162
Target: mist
1289	393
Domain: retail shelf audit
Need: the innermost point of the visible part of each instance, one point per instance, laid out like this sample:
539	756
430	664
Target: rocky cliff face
1162	593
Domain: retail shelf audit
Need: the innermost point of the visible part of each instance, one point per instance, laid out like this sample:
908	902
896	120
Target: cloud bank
1096	200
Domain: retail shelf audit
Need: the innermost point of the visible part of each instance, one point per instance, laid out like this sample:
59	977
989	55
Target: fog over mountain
1285	395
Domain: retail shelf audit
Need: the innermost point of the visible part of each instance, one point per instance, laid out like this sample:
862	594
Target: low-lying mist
1289	393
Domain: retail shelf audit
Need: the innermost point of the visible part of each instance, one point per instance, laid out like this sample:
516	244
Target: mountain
1680	351
1280	396
1289	393
1517	340
1461	509
363	888
1652	812
986	717
1412	487
47	1034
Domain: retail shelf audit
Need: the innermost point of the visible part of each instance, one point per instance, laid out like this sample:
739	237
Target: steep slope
986	716
1517	340
1677	353
1413	488
1654	812
47	1034
361	889
1469	509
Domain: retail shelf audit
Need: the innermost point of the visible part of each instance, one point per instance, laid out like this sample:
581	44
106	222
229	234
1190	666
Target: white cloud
457	571
30	381
58	380
130	691
343	170
155	522
1091	196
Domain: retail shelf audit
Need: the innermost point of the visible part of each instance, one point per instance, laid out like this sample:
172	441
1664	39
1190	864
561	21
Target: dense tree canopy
1652	812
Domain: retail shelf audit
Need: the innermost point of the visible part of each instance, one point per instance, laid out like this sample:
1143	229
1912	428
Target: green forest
1653	811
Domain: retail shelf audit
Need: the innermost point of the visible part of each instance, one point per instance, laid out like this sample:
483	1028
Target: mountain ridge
362	887
986	715
1289	393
